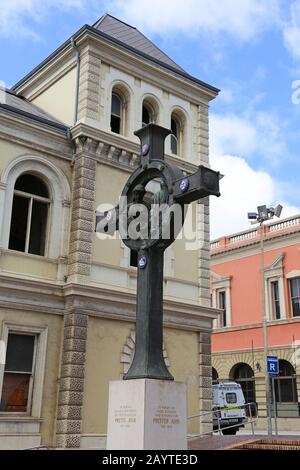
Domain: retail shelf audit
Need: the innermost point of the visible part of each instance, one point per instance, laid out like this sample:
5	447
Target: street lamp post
265	328
262	215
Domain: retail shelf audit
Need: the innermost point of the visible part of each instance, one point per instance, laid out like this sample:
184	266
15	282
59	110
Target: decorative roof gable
132	37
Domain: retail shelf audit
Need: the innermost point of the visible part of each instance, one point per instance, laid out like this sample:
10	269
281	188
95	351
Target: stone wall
205	390
71	385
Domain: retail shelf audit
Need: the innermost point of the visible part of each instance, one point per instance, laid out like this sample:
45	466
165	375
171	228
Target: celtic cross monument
149	220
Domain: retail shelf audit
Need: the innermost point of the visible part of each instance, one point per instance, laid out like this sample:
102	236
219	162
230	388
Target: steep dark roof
132	37
22	106
166	63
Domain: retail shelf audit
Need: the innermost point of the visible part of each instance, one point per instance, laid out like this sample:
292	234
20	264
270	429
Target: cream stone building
67	298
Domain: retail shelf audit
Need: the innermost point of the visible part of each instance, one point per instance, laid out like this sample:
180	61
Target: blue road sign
272	365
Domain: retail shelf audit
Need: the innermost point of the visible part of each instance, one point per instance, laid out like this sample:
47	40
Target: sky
250	49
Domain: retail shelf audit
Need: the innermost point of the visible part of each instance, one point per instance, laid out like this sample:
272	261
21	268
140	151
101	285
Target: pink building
237	341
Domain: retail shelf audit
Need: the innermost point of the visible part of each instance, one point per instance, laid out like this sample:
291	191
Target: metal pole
265	332
219	429
274	405
251	419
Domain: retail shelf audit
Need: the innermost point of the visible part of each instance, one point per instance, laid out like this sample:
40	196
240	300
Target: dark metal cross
175	188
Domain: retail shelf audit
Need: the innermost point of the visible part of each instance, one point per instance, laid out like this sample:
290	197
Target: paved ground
217	442
258	432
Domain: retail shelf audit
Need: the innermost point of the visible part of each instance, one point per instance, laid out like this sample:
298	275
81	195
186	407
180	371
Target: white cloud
17	17
242	190
227	95
291	36
231	133
291	31
255	136
242	20
255	133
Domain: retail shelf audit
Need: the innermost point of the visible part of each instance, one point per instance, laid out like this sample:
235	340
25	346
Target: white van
228	403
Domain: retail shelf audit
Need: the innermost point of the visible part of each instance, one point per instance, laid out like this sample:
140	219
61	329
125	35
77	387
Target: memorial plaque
147	414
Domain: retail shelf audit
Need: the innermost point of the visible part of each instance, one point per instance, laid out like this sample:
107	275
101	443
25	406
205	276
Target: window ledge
21	254
18	417
248	326
174	155
18	425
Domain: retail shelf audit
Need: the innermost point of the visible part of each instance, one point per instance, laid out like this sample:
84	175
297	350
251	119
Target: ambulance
228	406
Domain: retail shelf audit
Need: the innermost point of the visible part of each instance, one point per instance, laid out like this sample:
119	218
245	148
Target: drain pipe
69	136
72	144
77	53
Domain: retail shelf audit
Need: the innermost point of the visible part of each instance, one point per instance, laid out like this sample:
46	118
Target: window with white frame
116	113
18	373
220	298
29	218
177	141
150	110
274	296
274	289
275	300
175	136
222	306
146	115
34	207
295	296
21	379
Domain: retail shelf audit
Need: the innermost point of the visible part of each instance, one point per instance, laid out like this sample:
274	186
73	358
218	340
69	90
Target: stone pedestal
147	414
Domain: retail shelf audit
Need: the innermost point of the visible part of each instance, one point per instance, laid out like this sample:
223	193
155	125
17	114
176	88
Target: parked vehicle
228	406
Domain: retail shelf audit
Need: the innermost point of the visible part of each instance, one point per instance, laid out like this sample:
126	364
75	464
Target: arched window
28	228
146	116
175	136
116	113
285	383
39	181
215	376
150	110
243	374
178	137
133	258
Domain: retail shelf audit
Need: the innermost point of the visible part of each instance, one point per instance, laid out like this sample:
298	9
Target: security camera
252	215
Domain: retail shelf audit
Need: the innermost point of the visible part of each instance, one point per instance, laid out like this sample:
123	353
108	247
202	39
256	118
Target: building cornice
272	348
30	294
248	238
252	247
253	326
55	298
99	138
176	314
33	117
34	134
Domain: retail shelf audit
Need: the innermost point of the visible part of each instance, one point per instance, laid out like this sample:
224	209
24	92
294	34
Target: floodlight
271	212
278	210
263	213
